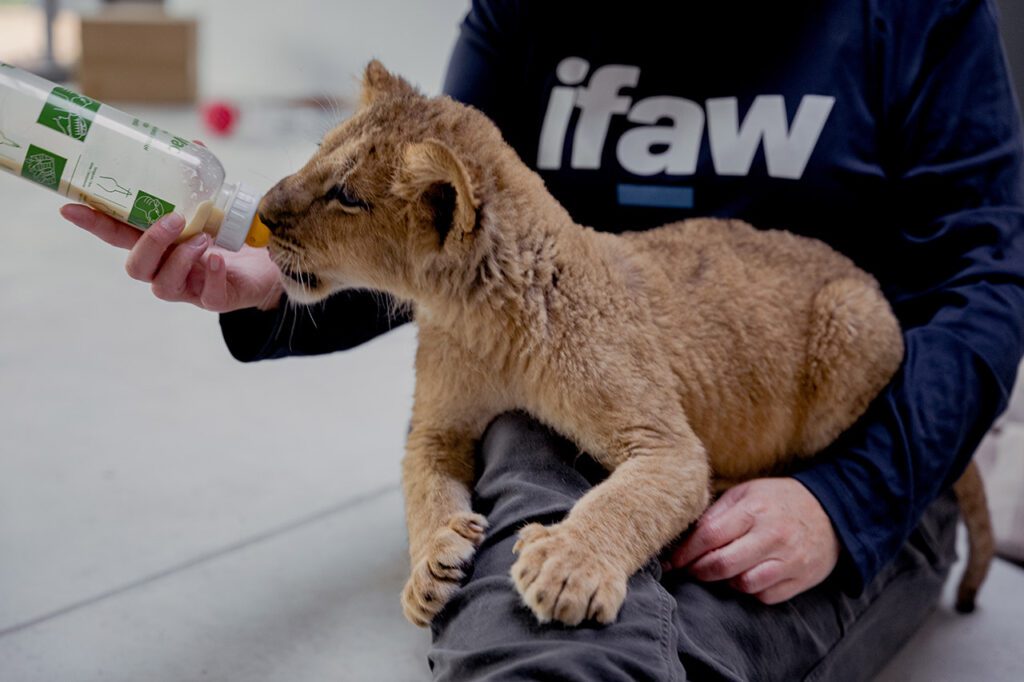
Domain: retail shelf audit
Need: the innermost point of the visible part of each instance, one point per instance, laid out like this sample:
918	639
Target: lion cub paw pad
469	525
436	577
561	580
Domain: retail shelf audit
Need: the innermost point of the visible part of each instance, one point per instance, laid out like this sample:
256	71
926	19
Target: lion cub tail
970	494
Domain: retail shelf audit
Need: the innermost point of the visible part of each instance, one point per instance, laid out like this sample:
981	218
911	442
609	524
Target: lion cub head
391	200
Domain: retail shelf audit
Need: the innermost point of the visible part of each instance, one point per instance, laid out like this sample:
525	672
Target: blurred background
256	48
167	513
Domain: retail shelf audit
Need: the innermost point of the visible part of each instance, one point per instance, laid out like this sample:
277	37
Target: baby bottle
118	164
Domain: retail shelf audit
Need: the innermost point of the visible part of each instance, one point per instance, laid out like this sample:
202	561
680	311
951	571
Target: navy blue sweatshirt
886	128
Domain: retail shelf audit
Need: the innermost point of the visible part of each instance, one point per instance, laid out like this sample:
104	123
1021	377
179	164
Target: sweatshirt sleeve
342	321
956	164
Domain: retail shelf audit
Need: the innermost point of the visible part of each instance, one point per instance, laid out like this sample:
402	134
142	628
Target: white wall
305	47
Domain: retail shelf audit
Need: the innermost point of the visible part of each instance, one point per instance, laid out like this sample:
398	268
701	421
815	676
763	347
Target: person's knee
516	442
528	472
515	439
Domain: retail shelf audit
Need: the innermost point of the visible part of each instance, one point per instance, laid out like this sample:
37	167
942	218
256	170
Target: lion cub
705	349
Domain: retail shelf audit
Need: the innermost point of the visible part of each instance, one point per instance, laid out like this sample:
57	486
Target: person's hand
212	279
768	537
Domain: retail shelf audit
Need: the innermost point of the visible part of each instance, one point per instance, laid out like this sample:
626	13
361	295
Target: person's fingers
732	559
195	280
170	281
144	258
714	530
215	288
761	577
780	592
103	226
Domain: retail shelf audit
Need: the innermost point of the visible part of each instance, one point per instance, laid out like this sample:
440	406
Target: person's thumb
215	288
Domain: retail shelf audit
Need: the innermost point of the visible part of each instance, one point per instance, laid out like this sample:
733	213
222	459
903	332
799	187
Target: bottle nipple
259	234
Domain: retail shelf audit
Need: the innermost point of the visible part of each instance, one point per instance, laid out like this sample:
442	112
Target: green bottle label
69	113
43	166
147	209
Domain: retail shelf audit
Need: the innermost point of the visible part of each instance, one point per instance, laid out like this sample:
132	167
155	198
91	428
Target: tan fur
970	493
705	348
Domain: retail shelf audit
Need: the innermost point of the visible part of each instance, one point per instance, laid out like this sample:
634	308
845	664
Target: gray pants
670	628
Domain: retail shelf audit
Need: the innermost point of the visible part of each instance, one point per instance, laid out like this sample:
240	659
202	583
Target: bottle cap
239	217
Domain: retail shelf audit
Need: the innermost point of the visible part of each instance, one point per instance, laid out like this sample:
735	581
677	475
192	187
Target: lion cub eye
345	197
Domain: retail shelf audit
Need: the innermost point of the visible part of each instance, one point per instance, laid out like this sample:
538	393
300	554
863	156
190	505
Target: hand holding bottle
135	172
212	279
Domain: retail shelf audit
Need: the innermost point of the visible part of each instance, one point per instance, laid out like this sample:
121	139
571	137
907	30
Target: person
888	130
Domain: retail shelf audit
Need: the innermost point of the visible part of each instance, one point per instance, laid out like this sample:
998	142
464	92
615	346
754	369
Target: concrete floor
169	514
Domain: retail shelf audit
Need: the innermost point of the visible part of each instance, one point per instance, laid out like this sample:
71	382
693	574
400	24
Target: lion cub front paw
561	579
442	567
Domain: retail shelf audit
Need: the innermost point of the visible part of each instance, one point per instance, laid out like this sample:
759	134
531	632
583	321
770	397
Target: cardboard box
138	54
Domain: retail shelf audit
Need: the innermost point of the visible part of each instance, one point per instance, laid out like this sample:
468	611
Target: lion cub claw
437	575
560	579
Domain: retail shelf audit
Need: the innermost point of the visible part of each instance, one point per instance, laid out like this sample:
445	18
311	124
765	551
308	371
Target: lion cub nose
276	227
279	206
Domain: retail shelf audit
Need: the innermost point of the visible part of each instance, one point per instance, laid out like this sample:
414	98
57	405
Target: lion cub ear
432	173
378	82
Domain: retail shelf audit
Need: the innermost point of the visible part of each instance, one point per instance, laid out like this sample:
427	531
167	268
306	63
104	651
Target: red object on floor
220	117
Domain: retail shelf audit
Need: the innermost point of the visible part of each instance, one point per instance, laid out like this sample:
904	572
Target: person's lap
670	628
